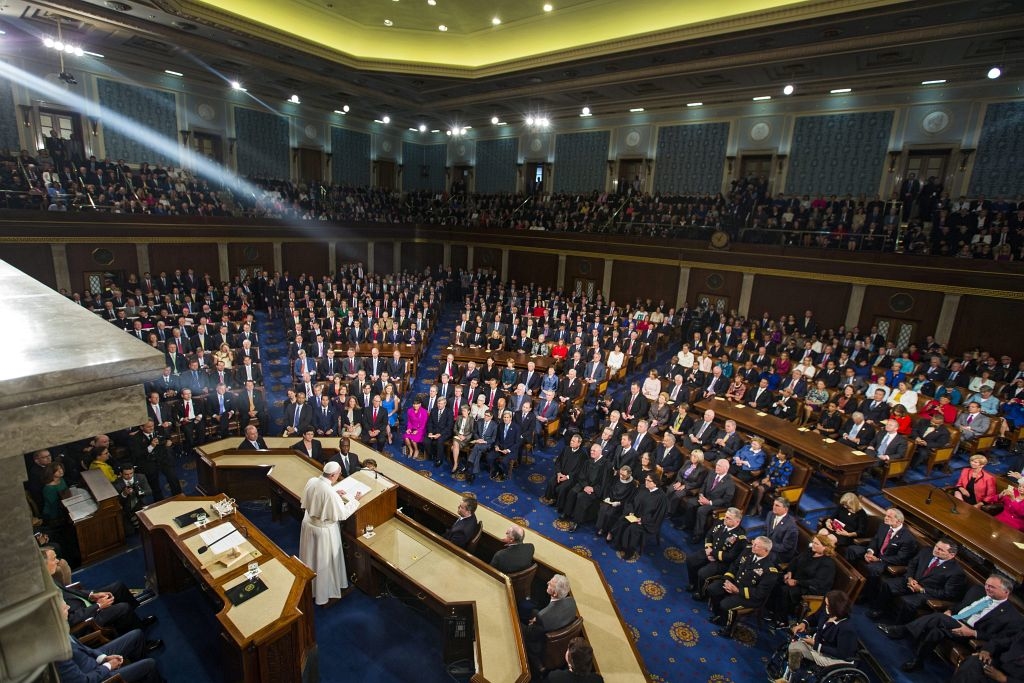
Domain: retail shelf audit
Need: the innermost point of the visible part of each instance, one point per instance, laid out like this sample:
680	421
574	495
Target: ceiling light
78	51
694	104
48	42
585	111
529	120
377	121
788	90
496	21
937	81
423	128
840	91
173	73
97	55
995	72
235	85
543	122
494	120
442	28
345	109
463	131
386	119
501	123
548	7
294	99
338	111
436	130
636	110
388	22
58	45
413	130
762	98
465	128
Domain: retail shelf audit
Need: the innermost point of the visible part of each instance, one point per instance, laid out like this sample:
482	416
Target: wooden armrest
861	541
938	605
896	570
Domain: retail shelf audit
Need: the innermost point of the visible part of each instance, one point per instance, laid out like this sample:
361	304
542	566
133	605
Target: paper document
82	509
226	537
350	486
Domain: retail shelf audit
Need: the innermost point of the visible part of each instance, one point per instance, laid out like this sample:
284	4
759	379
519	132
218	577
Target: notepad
829	440
740	405
632	519
719	398
859	453
760	414
802	429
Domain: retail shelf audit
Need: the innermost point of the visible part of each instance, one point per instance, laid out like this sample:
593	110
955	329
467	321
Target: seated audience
933	574
976	486
464	529
826	638
516	555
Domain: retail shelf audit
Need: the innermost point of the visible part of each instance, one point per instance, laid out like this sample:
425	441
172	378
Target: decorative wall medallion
536	145
632	138
901	302
386	145
461	150
760	131
935	122
206	112
715	281
584	267
251	253
104	257
310	131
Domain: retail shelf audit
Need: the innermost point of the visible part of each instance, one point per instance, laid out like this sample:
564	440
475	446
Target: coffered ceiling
607	55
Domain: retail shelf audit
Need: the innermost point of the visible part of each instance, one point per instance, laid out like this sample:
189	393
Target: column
369	256
684	286
746	289
560	282
947	316
606	282
469	257
396	258
222	262
447	258
142	256
504	265
853	309
332	257
278	258
60	267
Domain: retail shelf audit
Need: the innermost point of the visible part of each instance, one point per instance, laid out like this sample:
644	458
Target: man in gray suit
516	555
559	613
973	423
485	432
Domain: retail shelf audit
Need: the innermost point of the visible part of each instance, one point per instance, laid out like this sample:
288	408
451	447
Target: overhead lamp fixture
636	110
338	111
761	98
840	91
937	81
529	120
97	55
173	73
386	119
345	109
694	104
388	22
994	73
442	28
235	85
494	120
465	128
585	111
788	90
547	7
496	21
436	130
423	128
294	99
501	123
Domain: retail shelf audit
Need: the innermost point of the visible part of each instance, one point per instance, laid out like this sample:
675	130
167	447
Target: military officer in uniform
748	583
722	545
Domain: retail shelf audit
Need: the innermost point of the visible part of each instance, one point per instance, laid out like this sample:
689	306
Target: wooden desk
835	461
615	652
448	579
267	639
410	352
970	527
102	532
464	354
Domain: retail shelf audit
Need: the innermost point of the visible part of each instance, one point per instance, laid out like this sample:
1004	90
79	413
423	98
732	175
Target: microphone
928	500
204	548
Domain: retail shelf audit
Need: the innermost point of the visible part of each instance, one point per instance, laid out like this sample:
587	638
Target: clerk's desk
432	505
267	639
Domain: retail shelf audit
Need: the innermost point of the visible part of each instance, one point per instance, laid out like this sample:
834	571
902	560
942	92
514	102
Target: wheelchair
809	672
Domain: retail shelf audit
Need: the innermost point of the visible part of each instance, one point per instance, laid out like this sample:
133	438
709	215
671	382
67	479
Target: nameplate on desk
760	414
739	405
802	429
245	591
858	452
190	518
829	440
719	398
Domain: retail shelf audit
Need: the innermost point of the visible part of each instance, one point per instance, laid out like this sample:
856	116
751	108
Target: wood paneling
715	283
351	251
779	295
81	261
418	256
202	258
992	324
526	267
35	260
878	302
583	268
631	280
459	254
311	258
383	257
254	256
487	257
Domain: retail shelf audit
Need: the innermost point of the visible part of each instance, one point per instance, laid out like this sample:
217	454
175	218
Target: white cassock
320	541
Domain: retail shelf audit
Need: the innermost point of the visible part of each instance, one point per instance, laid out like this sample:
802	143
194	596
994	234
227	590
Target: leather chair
522	582
557	642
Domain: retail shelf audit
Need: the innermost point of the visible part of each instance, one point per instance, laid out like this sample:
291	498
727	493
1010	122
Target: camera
68	78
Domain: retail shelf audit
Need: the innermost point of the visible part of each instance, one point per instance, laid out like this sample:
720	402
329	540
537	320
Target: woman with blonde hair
976	486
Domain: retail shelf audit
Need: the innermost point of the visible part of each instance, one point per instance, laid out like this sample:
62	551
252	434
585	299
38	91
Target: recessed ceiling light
423	128
840	91
494	120
636	110
548	7
377	121
436	130
173	73
995	72
585	111
937	81
294	99
345	109
501	123
386	119
465	128
788	90
694	104
48	42
388	22
448	132
97	55
529	120
235	85
338	111
762	98
463	131
496	21
442	28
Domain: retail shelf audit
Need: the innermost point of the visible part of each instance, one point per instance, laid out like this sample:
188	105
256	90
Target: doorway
209	145
68	125
632	176
311	165
386	175
585	287
900	332
755	169
461	177
535	177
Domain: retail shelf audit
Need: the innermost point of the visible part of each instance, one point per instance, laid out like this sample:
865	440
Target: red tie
931	566
375	419
885	543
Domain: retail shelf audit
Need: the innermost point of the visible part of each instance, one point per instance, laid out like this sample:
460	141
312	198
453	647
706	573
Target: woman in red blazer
976	486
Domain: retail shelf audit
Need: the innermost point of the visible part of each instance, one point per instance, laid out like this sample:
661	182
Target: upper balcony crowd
919	218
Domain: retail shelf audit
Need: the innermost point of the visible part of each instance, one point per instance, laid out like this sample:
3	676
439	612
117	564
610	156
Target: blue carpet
388	641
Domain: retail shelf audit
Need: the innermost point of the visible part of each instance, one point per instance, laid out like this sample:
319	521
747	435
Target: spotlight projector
68	78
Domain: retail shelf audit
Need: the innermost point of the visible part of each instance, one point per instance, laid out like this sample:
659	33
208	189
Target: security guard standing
722	545
748	583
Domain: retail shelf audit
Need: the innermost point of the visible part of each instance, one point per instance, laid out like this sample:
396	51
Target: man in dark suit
325	419
516	555
1002	658
984	613
893	544
121	657
222	410
506	447
531	378
875	409
933	574
725	444
715	384
462	531
780	526
759	397
667	456
641	439
348	460
702	433
485	433
929	435
559	613
856	433
717	491
297	416
785	406
132	489
253	441
150	456
375	425
440	425
888	445
636	404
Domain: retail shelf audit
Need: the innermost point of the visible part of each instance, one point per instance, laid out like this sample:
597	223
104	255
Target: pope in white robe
320	541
